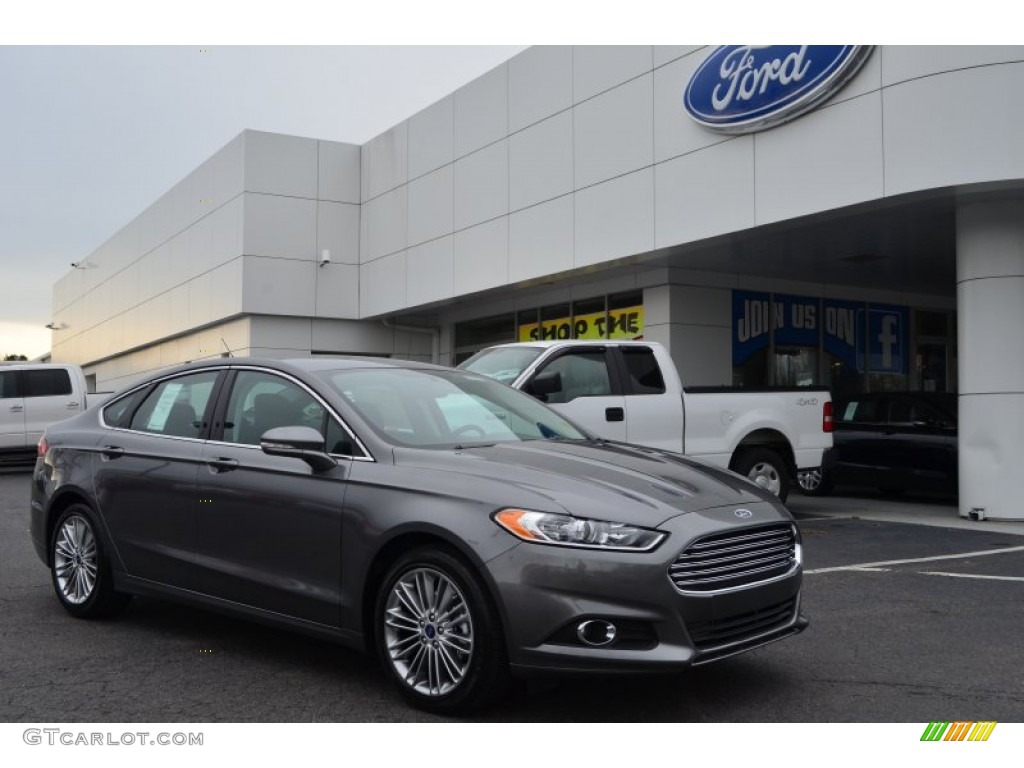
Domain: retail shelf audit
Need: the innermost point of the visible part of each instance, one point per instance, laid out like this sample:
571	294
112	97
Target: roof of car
556	342
317	363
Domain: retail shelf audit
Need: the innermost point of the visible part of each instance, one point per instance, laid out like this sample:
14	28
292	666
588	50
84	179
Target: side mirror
298	443
546	383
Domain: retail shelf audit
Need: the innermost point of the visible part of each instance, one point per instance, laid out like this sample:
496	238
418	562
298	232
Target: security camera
325	257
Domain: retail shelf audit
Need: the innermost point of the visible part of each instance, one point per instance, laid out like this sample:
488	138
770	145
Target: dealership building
841	216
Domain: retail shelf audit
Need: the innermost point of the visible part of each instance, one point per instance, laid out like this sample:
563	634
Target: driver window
584	374
261	401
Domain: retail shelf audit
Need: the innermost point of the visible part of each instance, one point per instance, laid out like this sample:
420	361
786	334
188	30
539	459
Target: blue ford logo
747	88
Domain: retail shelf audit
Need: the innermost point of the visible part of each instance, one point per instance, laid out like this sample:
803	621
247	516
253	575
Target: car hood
597	479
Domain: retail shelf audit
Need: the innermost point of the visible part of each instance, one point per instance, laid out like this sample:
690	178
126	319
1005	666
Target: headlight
567	531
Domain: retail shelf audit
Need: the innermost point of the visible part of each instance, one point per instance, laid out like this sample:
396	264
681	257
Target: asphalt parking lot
909	623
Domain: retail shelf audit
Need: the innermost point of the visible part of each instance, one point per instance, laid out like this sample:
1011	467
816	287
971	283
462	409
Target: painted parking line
973	576
886	563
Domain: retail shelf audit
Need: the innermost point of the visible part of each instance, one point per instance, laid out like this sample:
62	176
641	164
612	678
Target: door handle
614	414
222	465
17	408
112	451
72	404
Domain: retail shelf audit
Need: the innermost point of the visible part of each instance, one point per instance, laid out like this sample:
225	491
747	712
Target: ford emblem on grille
743	514
746	88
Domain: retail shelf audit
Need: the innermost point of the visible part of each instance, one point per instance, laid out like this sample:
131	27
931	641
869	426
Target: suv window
261	401
47	382
644	374
176	406
863	411
584	374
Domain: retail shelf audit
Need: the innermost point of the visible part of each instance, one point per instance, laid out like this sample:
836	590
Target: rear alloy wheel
80	569
814	482
438	635
765	468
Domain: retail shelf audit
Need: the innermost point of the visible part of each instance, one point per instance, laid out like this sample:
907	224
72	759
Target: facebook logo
887	338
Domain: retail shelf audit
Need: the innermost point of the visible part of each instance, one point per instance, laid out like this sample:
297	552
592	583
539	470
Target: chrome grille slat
736	568
735	558
783	550
774	541
716	540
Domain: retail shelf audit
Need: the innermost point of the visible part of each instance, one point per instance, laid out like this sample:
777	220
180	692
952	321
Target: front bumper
546	591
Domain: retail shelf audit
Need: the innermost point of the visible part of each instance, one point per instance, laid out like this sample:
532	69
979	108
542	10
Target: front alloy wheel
438	634
428	631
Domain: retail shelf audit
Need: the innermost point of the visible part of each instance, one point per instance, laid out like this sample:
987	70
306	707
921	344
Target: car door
145	472
48	398
919	439
12	413
859	440
654	417
269	527
590	392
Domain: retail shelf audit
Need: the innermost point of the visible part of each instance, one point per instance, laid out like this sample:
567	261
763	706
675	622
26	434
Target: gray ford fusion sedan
454	527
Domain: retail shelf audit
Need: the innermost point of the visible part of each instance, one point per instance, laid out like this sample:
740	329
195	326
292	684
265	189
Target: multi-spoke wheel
438	634
766	468
81	573
814	482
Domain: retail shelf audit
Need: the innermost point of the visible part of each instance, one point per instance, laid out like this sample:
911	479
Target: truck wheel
766	468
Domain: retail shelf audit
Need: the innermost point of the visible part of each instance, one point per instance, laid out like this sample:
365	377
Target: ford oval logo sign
747	88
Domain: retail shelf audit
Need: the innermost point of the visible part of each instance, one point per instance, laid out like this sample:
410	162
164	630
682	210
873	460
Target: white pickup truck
32	396
629	391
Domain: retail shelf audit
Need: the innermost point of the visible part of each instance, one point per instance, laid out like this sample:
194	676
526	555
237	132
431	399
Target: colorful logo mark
958	731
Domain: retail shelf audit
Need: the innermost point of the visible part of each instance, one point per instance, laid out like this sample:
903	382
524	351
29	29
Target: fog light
596	632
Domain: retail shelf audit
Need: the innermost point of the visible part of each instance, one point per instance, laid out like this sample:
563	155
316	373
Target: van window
47	382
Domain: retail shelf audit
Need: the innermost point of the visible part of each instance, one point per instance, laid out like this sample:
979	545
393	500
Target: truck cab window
584	374
644	374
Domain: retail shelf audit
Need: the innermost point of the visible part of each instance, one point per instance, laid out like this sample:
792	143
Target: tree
9	358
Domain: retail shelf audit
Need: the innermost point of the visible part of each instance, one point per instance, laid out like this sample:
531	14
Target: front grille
735	558
735	629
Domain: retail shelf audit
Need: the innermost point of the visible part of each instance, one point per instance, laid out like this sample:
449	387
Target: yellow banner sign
626	323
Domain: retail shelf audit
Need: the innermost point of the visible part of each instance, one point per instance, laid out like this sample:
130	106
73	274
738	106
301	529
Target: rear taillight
826	417
42	447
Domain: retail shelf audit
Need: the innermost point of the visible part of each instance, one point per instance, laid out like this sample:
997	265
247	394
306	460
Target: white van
32	396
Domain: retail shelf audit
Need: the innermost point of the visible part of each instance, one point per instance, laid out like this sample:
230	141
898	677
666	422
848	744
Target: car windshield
443	409
502	364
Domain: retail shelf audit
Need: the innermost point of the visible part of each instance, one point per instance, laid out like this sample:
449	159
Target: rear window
47	382
644	374
8	384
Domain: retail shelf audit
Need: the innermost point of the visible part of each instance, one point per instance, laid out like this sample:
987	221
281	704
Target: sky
90	136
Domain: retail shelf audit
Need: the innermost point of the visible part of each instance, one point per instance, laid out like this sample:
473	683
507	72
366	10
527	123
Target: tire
814	482
452	674
766	468
80	569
